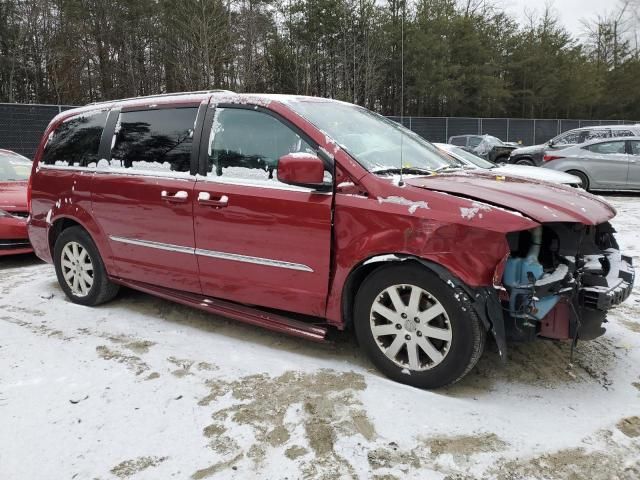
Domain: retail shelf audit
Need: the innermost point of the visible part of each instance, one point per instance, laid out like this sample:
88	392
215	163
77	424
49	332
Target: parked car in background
310	226
485	146
533	155
533	173
605	164
14	173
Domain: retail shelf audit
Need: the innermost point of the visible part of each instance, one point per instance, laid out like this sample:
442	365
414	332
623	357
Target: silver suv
533	155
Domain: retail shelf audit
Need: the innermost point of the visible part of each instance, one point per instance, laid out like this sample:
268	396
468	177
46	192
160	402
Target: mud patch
184	366
131	467
630	426
139	347
573	463
545	364
295	451
633	326
323	402
213	469
465	445
132	362
41	329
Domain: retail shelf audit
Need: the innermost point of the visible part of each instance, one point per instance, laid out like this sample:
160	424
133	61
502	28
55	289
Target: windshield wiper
449	168
409	170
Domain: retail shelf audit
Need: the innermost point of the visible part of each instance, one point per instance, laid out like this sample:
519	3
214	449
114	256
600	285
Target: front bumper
14	238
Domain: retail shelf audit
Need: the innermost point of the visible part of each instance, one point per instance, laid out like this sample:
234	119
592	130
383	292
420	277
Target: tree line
420	57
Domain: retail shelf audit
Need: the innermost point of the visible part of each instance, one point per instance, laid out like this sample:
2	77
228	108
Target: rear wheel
415	328
583	178
80	269
526	161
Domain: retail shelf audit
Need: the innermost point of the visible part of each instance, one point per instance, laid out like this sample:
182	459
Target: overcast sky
569	11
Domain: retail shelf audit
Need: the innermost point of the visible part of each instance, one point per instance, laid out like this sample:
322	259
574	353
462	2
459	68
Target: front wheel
526	161
415	328
80	269
584	180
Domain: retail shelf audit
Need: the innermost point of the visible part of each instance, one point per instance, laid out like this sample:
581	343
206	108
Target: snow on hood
538	201
530	149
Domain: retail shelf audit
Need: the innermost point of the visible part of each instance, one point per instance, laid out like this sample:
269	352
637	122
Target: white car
524	171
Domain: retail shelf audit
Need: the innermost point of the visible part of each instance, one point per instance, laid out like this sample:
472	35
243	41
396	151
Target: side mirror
303	170
550	143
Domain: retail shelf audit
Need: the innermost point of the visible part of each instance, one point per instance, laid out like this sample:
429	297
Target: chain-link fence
21	126
522	130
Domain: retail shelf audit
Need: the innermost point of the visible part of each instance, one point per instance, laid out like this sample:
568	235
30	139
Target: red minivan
303	214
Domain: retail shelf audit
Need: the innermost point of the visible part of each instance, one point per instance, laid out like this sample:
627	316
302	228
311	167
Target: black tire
526	161
583	178
102	289
467	331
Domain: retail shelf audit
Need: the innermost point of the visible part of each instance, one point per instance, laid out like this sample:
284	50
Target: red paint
13	199
556	324
456	220
300	169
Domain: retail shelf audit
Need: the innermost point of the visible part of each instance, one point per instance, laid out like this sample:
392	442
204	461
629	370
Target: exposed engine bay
560	279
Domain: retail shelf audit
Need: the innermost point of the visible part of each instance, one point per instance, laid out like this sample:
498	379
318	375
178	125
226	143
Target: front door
259	241
142	198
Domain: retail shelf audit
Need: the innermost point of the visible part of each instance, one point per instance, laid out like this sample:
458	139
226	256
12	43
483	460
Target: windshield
377	143
468	157
493	141
14	168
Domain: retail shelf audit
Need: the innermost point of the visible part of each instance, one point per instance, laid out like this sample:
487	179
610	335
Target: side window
607	147
594	134
459	141
635	147
569	138
247	144
621	133
76	140
474	141
154	139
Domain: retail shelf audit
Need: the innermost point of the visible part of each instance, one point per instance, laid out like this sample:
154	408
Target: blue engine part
520	275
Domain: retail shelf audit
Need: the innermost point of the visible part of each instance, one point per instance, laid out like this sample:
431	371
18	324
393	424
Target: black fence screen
22	126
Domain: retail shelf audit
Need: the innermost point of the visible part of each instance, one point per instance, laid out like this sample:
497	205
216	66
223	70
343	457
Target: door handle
179	197
204	198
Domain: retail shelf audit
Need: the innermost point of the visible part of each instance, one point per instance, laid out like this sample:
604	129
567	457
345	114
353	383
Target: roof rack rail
159	95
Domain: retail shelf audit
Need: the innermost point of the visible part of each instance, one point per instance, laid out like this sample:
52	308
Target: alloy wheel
411	327
77	268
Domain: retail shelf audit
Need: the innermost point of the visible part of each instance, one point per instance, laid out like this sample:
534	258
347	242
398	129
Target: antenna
401	183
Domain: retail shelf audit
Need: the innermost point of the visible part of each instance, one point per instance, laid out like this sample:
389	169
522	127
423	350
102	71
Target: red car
303	214
14	174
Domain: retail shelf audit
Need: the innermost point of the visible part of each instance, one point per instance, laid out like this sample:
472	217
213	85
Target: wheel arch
64	221
484	300
582	171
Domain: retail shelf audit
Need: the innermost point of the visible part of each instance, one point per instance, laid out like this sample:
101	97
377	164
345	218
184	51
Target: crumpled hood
542	202
13	196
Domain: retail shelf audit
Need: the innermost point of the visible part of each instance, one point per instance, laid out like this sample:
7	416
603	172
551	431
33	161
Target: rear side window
595	134
621	133
159	140
76	140
607	147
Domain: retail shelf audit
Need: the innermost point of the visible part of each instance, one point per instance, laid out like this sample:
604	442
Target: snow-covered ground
143	388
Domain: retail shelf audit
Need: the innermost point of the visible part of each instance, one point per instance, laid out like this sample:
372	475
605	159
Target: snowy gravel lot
146	389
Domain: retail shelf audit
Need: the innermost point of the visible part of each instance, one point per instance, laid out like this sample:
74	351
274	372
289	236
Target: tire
74	256
526	161
462	335
583	178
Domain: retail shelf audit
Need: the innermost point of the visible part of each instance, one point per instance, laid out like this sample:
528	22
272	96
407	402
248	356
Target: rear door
142	195
633	178
259	241
607	164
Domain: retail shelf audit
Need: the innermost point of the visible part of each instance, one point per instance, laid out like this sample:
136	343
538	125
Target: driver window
570	138
247	144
